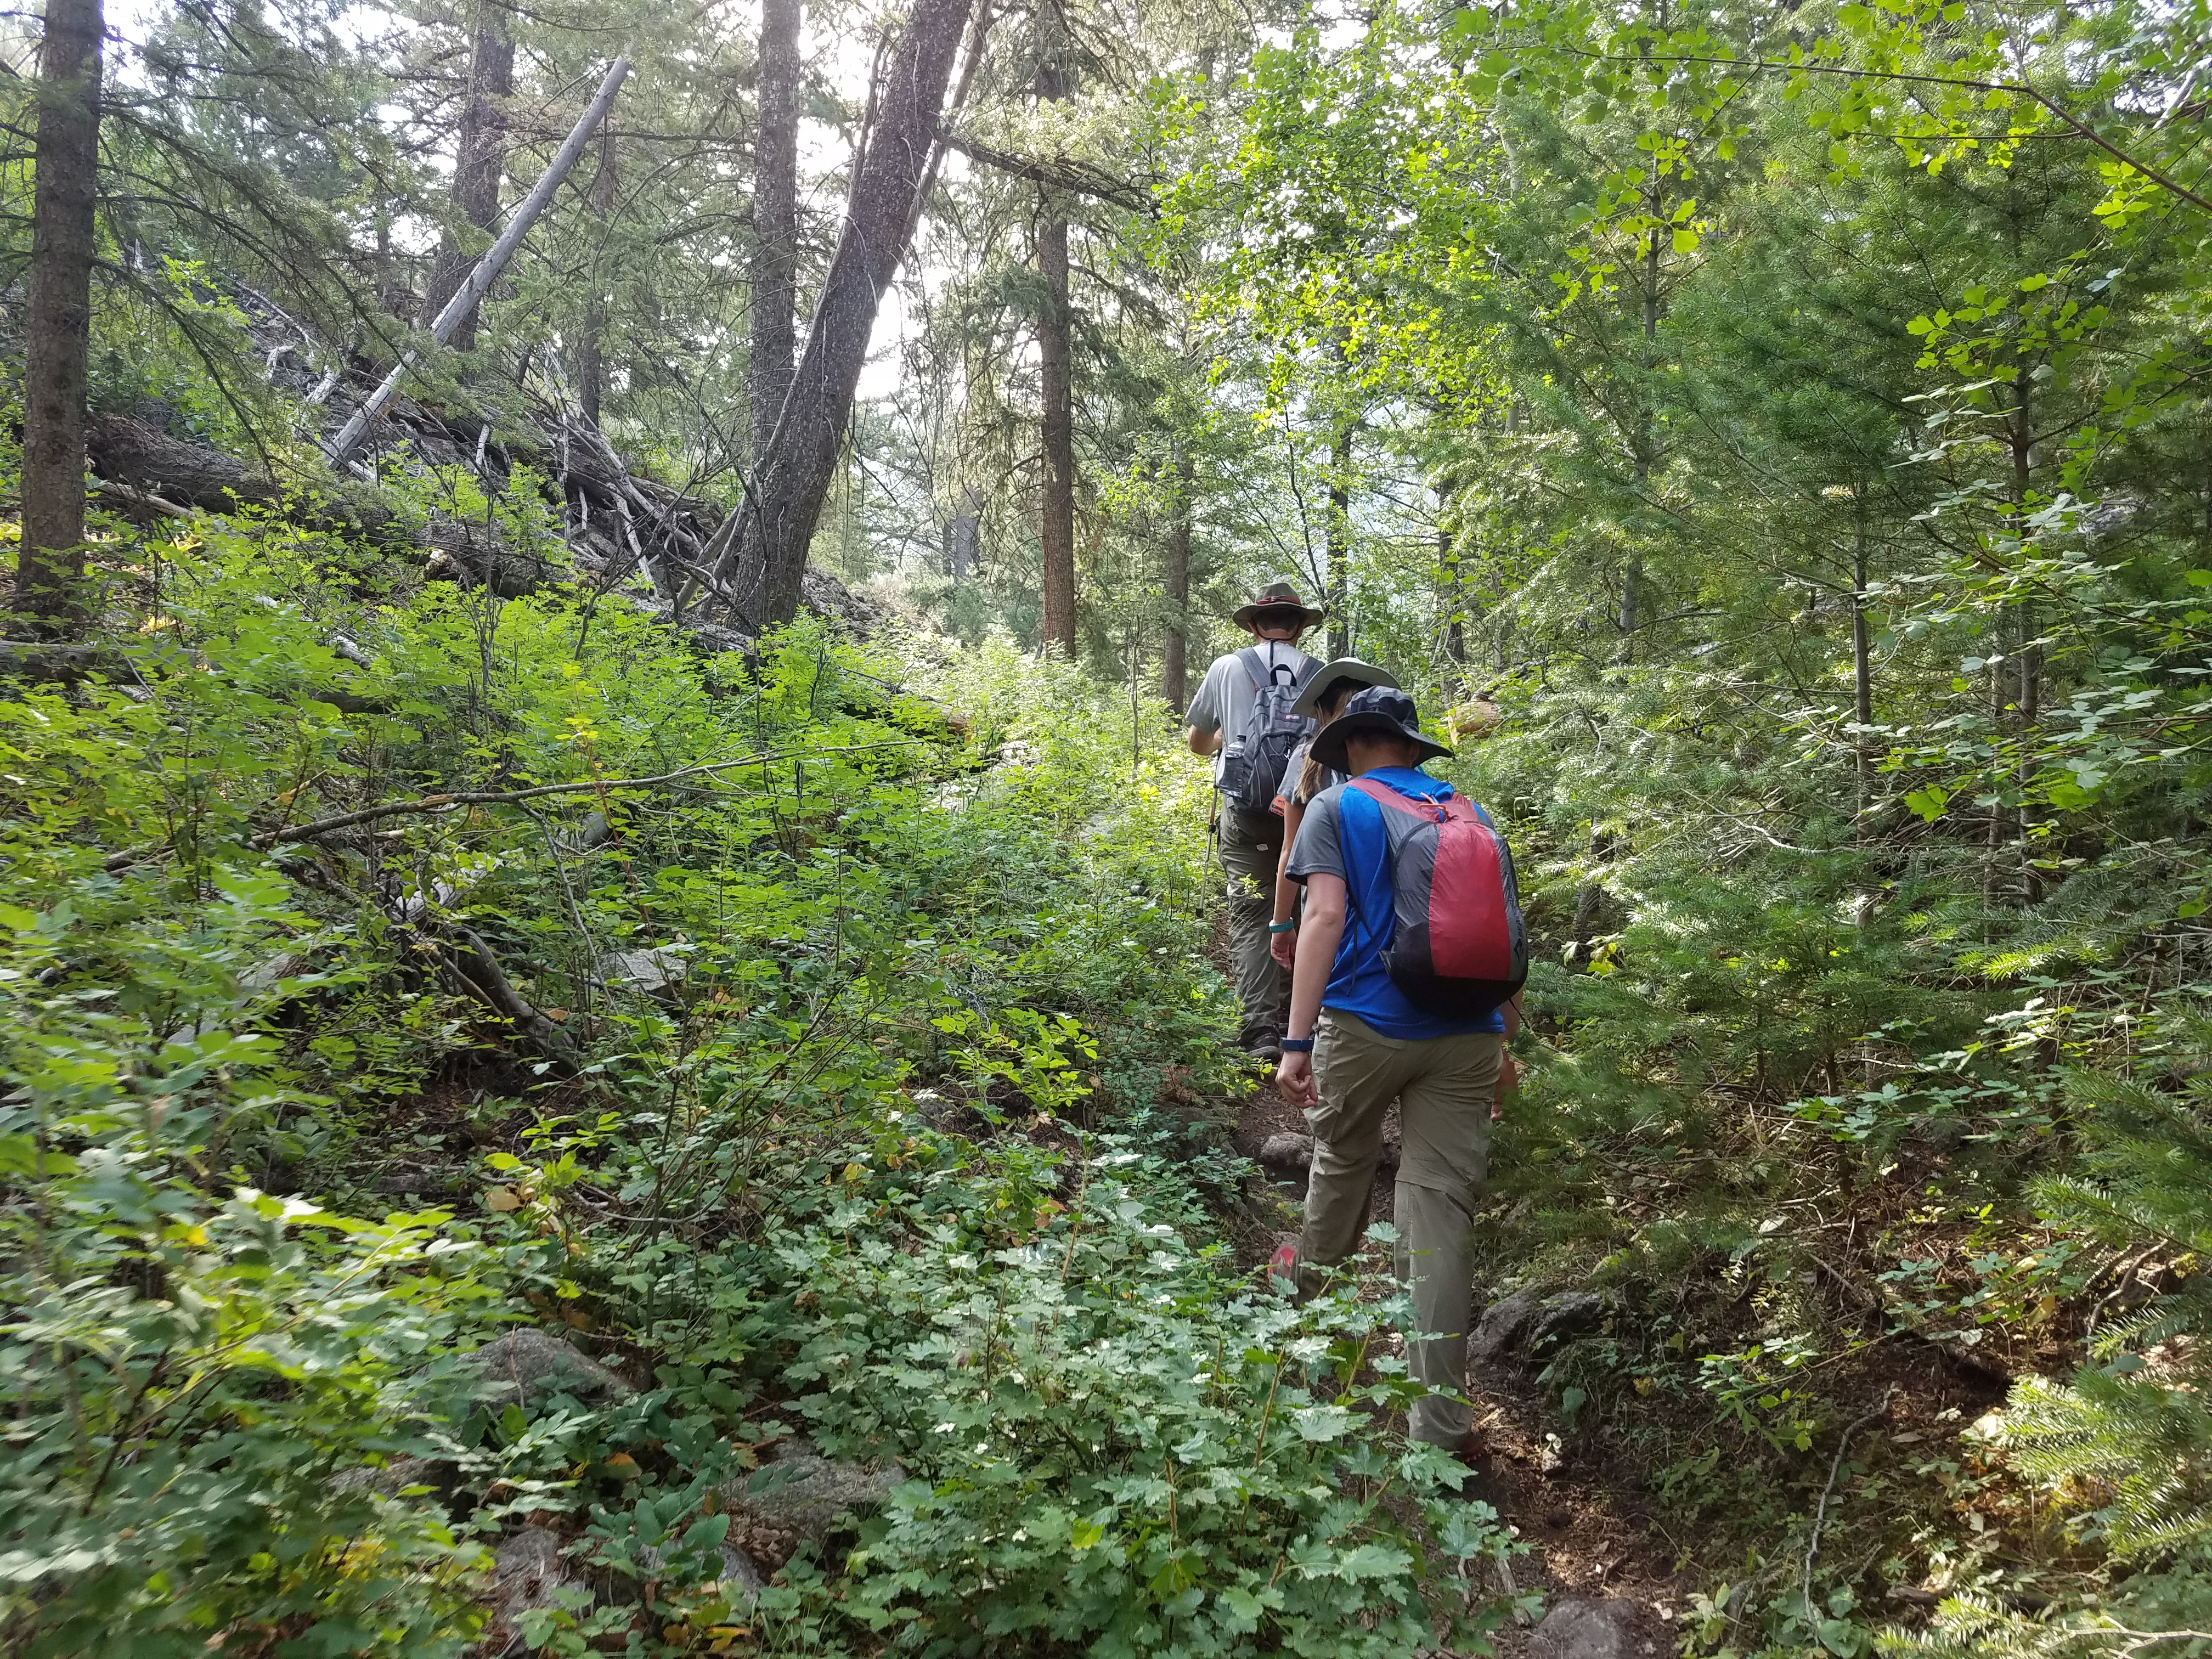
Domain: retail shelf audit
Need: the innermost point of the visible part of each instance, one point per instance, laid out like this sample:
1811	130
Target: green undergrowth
871	1088
1898	1237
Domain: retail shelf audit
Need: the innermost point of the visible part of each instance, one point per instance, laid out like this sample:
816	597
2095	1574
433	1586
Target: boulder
402	1472
1501	1332
1588	1627
647	970
1520	1327
1568	1314
525	1368
526	1571
802	1492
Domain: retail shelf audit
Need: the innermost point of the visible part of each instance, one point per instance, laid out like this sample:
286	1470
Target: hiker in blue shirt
1355	1043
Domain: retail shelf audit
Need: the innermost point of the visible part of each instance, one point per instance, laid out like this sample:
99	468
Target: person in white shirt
1251	842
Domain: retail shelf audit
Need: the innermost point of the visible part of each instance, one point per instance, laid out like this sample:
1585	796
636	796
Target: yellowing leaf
502	1198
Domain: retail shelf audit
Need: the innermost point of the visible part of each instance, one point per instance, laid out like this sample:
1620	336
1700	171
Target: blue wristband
1283	927
1298	1045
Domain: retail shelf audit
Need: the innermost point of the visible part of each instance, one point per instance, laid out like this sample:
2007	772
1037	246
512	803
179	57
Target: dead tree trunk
50	576
1056	524
1055	363
1175	581
760	565
479	162
591	350
775	219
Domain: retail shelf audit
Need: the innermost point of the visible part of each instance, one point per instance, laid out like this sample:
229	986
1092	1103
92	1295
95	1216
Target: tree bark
1055	353
764	554
1175	583
1339	597
590	351
479	162
1861	671
1448	561
776	219
50	576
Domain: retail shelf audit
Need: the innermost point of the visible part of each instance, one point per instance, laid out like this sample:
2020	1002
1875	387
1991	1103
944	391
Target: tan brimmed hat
1276	595
1330	675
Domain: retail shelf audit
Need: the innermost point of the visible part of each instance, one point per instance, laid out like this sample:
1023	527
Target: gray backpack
1253	756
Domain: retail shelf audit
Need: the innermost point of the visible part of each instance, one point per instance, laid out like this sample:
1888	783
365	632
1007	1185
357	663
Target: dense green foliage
1793	416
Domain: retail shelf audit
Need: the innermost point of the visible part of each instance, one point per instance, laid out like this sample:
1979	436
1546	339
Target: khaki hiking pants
1251	846
1443	1086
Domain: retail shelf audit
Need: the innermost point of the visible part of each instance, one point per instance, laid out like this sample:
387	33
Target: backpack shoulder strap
1256	666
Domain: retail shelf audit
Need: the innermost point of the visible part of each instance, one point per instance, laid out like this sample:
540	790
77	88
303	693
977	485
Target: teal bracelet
1282	927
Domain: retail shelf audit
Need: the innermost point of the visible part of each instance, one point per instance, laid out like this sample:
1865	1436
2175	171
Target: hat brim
1344	670
1244	614
1328	746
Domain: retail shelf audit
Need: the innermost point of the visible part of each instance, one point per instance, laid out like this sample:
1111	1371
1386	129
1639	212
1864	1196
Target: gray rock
646	971
1287	1152
1515	1328
1503	1331
523	1368
801	1492
526	1569
406	1470
741	1575
1568	1314
1585	1627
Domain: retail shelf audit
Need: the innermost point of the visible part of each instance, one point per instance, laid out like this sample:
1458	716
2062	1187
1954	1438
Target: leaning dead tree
759	561
464	302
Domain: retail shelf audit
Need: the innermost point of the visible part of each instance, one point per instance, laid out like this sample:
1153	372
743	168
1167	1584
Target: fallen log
152	471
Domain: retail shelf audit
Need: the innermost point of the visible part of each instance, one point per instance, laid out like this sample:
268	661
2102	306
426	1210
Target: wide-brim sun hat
1379	710
1334	673
1277	596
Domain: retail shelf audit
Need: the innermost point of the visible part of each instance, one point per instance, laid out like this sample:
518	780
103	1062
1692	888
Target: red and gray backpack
1458	948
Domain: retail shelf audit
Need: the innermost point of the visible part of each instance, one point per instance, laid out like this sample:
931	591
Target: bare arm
1318	936
1286	890
1201	743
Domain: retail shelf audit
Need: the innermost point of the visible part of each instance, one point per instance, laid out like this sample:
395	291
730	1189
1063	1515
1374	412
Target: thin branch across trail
507	797
439	803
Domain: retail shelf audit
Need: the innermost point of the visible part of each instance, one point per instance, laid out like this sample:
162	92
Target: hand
1509	1078
1284	947
1294	1080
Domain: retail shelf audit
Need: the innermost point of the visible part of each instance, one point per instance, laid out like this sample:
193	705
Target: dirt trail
1591	1533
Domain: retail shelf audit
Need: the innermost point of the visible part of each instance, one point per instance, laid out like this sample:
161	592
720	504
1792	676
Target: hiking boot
1266	1047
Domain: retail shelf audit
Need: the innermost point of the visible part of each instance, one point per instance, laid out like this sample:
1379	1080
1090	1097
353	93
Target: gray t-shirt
1287	793
1225	696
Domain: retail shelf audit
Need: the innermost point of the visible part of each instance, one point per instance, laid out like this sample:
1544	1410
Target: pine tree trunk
775	221
479	162
1861	671
1175	583
590	351
1339	540
1455	579
1056	525
764	558
49	577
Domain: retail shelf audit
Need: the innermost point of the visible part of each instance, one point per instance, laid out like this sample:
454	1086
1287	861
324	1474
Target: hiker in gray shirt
1234	718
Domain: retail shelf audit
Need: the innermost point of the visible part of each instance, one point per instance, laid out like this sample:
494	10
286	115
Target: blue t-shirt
1342	835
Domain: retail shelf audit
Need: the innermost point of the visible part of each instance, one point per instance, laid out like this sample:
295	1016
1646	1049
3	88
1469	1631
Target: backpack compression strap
1436	811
